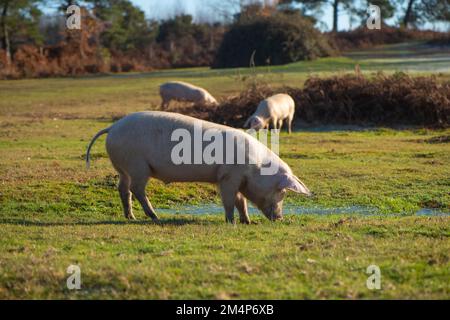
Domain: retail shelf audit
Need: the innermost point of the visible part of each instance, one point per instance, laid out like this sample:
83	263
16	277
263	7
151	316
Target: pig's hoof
131	217
156	221
245	221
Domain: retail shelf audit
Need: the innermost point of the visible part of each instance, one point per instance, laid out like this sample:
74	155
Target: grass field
54	213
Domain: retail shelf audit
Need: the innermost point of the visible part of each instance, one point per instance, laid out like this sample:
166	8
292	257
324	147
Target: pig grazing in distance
141	145
182	91
273	111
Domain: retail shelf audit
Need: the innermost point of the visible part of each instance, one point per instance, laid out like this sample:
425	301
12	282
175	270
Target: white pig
141	146
273	111
182	91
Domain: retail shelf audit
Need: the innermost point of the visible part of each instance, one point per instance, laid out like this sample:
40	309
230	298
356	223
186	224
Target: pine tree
19	23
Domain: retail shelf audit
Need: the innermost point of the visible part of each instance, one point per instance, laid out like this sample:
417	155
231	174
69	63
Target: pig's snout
277	218
257	126
273	213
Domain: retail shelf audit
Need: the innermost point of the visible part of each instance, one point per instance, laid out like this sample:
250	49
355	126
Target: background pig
273	111
182	91
139	146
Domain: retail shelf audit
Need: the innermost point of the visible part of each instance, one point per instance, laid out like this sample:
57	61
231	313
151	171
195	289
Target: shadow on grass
161	222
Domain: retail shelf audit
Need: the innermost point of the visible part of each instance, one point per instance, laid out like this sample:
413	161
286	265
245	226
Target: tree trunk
5	39
408	13
335	15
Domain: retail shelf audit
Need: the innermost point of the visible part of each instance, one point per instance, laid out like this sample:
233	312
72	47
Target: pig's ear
291	182
247	123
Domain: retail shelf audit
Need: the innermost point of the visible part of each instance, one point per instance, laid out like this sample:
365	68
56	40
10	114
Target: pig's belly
185	173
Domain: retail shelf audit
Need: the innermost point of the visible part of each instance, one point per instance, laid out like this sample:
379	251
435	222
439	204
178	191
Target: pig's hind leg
139	178
241	205
289	122
125	196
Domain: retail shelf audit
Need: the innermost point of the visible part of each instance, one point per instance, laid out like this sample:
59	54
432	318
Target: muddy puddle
291	209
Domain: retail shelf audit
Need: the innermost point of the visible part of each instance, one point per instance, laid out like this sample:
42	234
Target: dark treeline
115	36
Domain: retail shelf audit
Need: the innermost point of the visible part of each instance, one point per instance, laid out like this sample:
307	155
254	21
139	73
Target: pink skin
140	147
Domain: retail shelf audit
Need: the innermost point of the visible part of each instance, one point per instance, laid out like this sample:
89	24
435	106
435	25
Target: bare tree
5	34
408	13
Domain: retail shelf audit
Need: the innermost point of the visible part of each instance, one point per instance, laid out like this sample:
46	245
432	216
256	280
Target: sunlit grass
54	212
185	257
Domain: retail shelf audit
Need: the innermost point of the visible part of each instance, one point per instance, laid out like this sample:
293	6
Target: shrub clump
363	38
443	40
278	39
398	99
393	100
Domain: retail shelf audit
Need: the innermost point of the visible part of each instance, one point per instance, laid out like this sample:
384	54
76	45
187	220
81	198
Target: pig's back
146	137
281	105
181	90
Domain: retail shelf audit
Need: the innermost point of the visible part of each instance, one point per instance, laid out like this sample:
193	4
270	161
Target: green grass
185	257
54	212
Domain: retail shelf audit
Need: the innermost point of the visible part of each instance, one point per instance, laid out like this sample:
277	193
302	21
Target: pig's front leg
241	205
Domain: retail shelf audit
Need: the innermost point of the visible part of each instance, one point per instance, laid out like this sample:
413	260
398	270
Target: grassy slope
54	213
